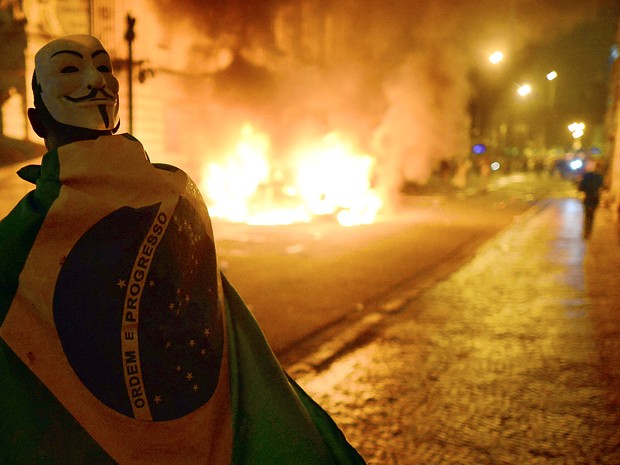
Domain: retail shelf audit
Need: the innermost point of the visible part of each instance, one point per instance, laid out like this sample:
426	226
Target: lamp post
551	76
131	64
130	36
484	80
549	124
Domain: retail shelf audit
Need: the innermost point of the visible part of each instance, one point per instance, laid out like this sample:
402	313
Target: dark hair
36	90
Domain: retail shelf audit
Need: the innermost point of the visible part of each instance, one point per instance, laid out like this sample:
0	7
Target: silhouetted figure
591	184
120	339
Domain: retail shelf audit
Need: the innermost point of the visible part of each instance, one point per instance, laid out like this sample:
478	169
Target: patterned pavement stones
513	359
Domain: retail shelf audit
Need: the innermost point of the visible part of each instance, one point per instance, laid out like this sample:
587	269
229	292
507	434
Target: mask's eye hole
69	69
104	69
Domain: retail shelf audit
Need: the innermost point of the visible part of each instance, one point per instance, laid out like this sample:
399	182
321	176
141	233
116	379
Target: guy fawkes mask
77	84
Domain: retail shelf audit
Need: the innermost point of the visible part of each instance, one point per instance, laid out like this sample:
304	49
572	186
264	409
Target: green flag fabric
120	341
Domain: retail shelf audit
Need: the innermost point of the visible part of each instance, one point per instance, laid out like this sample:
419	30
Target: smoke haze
393	74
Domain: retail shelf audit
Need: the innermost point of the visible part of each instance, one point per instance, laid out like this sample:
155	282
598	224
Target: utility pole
130	37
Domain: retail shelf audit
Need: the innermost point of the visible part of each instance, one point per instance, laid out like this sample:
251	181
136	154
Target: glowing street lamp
524	90
576	129
551	75
496	57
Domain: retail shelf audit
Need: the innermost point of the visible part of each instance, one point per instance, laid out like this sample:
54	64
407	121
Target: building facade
613	129
26	26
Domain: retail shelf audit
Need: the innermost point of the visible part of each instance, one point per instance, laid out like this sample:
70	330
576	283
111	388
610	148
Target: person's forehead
79	45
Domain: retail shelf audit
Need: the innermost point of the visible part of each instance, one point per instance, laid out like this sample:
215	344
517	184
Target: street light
549	125
484	83
551	75
496	57
576	129
524	89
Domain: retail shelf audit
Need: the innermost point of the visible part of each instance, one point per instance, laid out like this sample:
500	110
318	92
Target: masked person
120	340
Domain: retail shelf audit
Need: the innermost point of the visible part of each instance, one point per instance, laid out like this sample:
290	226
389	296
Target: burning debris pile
328	178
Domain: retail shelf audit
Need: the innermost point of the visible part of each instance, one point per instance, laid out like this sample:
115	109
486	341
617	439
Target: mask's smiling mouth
92	96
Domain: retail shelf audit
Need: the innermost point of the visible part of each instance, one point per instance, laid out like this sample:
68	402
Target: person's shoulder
166	167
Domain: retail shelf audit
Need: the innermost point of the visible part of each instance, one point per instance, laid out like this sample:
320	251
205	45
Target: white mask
77	84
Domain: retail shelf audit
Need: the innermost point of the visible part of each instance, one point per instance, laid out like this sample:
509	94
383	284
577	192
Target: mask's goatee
104	115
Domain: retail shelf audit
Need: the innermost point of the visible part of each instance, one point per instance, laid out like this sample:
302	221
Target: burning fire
329	178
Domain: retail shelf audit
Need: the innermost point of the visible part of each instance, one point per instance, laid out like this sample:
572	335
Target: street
461	328
511	360
408	209
302	280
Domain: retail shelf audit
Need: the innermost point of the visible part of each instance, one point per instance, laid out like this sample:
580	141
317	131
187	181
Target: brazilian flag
121	342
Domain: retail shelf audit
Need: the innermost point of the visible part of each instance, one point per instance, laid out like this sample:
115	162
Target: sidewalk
514	359
602	272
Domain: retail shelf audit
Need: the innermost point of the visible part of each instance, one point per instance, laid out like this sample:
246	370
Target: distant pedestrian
590	184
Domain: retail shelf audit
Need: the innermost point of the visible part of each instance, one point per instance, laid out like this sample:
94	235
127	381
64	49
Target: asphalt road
302	280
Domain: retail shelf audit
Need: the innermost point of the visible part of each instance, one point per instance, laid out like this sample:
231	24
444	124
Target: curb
347	334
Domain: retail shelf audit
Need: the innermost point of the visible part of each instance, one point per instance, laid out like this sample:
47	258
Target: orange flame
333	179
329	178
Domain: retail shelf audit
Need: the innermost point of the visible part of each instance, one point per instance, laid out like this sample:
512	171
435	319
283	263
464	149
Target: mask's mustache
91	95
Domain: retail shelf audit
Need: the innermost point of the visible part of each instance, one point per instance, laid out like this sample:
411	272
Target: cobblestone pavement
514	359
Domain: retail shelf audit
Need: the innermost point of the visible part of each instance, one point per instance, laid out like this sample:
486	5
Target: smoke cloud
393	74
